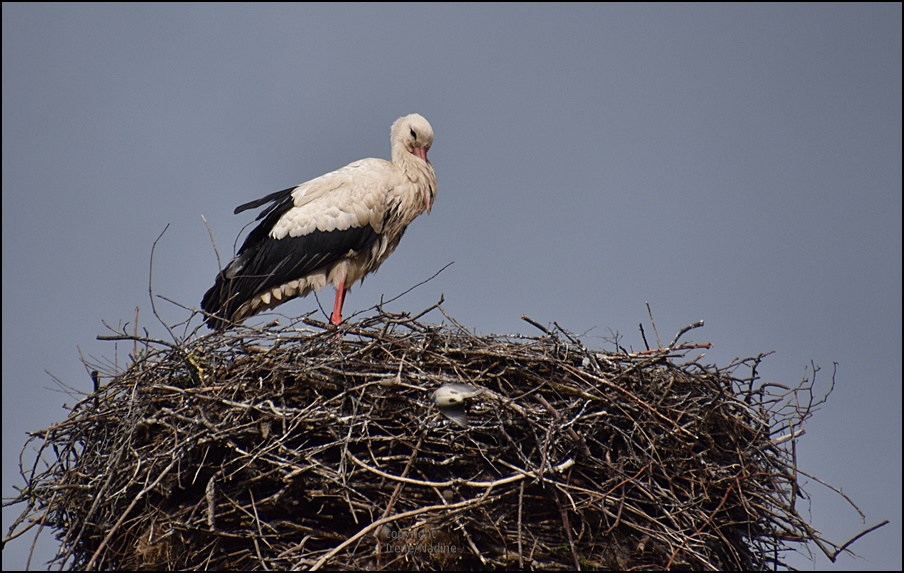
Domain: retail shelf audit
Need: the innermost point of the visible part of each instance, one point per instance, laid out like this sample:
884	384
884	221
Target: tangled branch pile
304	449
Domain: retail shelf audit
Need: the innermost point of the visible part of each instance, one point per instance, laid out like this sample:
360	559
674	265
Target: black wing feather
277	199
282	201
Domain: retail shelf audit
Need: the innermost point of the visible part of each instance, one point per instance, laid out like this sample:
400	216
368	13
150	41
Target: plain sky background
739	164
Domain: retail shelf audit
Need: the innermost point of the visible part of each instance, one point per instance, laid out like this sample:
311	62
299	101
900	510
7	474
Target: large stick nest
311	448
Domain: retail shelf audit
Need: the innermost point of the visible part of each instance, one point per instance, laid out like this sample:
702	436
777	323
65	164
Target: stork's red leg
336	318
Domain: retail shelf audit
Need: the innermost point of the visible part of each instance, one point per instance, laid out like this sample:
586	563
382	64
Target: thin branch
151	285
850	541
408	290
534	323
681	332
213	243
461	482
653	322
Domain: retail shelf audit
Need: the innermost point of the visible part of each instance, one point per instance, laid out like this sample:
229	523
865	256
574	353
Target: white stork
335	229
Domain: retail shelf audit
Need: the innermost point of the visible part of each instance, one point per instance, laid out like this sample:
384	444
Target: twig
139	339
850	541
453	321
533	322
566	526
408	290
460	482
681	332
151	286
643	335
653	322
399	484
213	243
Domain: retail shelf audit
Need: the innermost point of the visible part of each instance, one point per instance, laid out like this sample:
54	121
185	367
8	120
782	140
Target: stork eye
413	134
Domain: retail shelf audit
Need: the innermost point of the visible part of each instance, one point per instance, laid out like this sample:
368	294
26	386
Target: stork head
412	134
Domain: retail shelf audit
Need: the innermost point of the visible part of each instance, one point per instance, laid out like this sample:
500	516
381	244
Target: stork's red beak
420	152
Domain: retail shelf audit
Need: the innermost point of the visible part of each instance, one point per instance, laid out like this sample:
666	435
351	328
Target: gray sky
739	164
